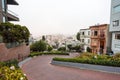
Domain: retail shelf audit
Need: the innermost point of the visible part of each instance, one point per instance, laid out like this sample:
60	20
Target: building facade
115	25
85	38
100	38
5	14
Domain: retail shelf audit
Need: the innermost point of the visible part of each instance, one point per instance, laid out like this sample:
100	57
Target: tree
39	46
78	36
89	49
62	49
50	48
14	33
43	38
77	48
69	47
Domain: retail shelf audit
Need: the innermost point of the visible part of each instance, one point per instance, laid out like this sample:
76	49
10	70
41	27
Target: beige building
85	38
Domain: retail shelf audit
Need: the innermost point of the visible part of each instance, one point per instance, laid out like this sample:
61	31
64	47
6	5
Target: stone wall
19	52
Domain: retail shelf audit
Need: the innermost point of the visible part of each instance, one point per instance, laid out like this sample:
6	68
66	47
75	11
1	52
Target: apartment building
115	25
5	14
100	38
85	38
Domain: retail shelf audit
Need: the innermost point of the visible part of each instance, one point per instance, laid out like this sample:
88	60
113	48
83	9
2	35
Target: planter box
88	66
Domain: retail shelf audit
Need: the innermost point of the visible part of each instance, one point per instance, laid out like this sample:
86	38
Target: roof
99	25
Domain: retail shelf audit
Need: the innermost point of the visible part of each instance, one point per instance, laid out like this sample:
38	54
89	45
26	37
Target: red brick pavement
39	68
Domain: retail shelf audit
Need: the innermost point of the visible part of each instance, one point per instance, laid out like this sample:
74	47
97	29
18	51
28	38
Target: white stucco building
115	25
85	38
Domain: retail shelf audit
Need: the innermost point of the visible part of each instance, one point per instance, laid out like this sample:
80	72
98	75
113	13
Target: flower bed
90	58
10	71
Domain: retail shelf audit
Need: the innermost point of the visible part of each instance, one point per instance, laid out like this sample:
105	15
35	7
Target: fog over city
44	17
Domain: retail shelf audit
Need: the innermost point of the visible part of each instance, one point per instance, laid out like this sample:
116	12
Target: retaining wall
19	52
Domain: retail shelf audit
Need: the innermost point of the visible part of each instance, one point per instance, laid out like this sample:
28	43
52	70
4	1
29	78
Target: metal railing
9	11
13	13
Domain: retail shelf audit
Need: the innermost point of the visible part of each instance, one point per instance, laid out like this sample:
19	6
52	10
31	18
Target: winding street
39	68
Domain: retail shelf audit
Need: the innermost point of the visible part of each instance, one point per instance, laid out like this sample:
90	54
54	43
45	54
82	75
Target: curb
24	61
108	69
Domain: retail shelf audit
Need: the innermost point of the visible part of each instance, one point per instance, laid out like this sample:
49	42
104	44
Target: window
92	32
88	32
117	46
115	23
117	36
88	40
83	33
116	8
102	33
83	40
95	33
80	40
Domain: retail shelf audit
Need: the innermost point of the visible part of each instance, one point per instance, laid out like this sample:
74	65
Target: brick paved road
39	68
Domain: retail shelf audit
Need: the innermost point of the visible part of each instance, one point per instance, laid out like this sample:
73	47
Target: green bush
50	48
90	58
11	63
8	74
116	56
39	46
62	49
89	49
48	53
14	33
10	71
86	55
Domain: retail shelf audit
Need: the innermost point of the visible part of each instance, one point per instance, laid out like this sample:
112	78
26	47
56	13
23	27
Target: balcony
102	36
12	2
95	37
11	16
94	44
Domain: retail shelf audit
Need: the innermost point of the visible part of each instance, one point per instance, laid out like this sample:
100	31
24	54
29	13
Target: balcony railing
101	36
11	12
94	36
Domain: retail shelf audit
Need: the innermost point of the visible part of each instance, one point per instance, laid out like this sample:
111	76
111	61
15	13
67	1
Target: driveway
39	68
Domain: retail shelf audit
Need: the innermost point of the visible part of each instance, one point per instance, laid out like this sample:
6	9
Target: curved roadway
39	68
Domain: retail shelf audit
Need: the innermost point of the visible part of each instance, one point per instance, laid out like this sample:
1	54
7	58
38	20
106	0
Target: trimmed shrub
48	53
90	58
